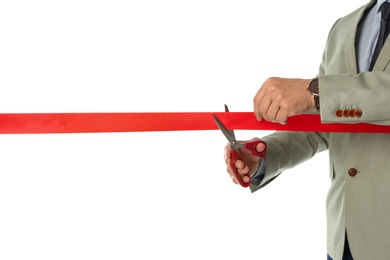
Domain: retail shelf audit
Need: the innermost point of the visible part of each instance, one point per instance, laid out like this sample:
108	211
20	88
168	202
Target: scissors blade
229	134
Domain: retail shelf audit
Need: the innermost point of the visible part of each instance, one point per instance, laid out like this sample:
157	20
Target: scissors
236	145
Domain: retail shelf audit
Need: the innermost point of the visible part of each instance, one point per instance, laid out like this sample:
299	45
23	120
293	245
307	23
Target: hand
280	98
250	164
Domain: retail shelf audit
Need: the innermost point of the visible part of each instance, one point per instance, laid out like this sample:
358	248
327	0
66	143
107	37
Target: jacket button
352	113
352	172
339	113
346	113
358	113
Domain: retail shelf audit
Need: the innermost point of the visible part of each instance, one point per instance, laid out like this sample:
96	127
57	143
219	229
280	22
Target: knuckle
270	80
283	104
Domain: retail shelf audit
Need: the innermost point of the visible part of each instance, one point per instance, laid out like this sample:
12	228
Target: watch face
313	87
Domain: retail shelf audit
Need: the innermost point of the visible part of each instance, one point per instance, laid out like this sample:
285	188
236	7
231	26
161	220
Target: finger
241	168
225	156
272	112
282	118
243	171
267	104
265	110
232	176
244	178
260	147
257	101
239	164
228	153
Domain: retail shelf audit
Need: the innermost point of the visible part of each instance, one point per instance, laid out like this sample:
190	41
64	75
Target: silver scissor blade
229	134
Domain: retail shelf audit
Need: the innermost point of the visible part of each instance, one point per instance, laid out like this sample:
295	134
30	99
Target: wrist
313	88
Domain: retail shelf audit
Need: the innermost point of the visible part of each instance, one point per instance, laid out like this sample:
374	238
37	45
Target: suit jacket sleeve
288	149
368	92
343	88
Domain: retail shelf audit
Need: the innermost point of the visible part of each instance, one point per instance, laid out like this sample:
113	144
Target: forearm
288	149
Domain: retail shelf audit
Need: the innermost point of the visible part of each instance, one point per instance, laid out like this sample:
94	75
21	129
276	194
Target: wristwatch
314	90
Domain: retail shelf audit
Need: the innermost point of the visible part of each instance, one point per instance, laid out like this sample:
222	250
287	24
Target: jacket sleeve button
352	113
339	113
358	113
346	113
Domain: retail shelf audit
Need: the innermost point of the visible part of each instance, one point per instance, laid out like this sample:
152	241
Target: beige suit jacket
358	200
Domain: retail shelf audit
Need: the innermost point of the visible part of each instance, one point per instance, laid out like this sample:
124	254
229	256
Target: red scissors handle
251	146
234	156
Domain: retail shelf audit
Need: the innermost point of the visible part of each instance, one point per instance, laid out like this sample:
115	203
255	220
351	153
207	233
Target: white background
158	195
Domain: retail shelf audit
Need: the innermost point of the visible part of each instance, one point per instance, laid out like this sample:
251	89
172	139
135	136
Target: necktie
383	32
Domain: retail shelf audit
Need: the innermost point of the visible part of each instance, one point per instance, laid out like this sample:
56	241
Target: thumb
260	147
254	148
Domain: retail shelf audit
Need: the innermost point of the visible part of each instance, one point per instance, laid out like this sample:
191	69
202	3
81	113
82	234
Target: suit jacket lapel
384	56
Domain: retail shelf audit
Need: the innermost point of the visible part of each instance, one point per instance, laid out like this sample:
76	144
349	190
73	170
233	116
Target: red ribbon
44	123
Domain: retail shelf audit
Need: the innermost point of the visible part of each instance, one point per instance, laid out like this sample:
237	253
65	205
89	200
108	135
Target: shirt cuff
259	175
